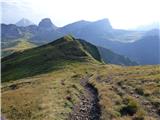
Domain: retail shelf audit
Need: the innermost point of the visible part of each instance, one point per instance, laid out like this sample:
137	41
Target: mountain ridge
96	33
66	50
51	56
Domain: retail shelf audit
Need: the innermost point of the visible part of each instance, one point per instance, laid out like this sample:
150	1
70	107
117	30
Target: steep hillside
53	55
48	57
46	80
9	47
110	57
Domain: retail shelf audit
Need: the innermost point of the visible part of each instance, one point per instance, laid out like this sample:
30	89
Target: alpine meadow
99	64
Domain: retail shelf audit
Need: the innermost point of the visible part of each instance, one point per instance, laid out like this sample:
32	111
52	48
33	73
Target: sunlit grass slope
16	45
43	83
43	59
128	93
49	96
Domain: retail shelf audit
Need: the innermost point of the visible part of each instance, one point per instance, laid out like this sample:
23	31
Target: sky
122	14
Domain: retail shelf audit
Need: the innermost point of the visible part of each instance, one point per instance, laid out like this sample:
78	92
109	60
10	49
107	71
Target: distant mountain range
155	25
146	50
100	29
140	46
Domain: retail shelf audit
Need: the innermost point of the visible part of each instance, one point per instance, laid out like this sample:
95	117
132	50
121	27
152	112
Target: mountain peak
104	23
103	20
46	23
67	38
24	22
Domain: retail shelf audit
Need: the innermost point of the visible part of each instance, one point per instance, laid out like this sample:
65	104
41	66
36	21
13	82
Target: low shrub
139	91
130	107
140	115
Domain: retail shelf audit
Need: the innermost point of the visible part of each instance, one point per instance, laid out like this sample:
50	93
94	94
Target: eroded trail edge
88	108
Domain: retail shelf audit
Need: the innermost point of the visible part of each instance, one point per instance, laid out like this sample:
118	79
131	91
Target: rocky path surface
88	108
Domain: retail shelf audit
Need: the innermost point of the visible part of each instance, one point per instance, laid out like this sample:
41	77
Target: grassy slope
91	49
123	88
109	56
50	85
43	59
16	45
46	96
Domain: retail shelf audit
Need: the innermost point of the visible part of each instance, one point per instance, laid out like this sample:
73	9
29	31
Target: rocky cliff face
46	24
10	31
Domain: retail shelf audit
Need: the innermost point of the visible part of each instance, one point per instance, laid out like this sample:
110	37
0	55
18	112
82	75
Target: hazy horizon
123	14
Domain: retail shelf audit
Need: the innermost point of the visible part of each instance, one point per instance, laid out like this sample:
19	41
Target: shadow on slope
52	56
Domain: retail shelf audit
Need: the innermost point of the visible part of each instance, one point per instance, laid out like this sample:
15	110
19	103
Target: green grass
43	59
20	44
50	92
43	83
45	96
126	91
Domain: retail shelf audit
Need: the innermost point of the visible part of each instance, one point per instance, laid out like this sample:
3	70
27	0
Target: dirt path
88	108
